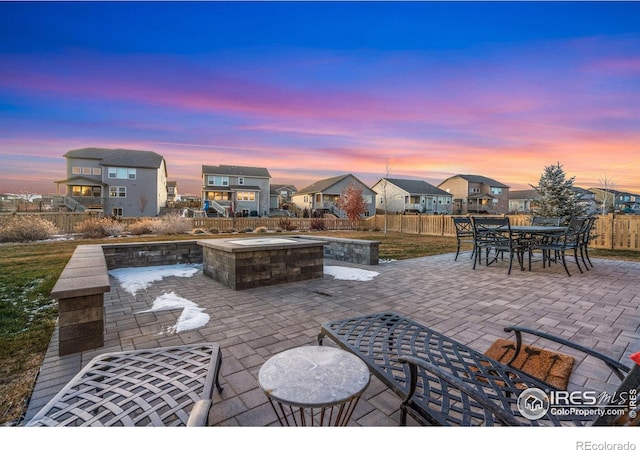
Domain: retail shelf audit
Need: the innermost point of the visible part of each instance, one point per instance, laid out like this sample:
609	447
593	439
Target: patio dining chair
464	233
586	237
555	249
494	235
546	221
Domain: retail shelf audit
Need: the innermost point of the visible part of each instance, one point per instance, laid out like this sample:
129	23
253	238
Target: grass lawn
28	272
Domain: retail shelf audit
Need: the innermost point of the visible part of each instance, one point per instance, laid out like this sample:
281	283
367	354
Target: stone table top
314	376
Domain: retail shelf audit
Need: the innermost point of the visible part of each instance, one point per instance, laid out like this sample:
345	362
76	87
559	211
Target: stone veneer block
358	251
79	291
249	263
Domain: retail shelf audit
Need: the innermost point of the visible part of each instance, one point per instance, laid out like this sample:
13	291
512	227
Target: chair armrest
502	415
199	415
617	367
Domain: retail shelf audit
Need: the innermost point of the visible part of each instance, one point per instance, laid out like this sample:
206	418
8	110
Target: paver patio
599	309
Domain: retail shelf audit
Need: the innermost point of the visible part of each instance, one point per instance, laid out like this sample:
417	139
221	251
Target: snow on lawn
349	273
134	279
192	315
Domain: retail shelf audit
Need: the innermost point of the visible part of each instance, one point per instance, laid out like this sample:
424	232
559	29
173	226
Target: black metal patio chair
464	233
556	247
546	221
494	235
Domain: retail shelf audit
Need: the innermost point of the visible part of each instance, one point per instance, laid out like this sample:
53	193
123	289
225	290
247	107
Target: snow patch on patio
134	279
192	315
349	273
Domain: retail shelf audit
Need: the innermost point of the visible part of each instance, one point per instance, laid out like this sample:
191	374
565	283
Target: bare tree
385	200
607	185
142	202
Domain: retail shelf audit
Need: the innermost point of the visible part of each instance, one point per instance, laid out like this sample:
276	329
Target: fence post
612	220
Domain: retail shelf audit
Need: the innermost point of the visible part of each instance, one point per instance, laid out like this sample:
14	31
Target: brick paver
598	308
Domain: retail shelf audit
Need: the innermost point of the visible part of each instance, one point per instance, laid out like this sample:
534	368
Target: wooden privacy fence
612	231
615	232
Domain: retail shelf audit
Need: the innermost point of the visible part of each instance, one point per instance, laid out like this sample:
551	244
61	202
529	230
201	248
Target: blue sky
317	89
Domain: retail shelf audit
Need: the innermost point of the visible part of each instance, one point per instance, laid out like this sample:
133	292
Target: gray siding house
281	195
322	196
229	191
396	195
118	182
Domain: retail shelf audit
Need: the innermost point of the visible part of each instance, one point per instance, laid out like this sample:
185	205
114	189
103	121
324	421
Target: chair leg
564	263
457	252
575	255
584	262
586	253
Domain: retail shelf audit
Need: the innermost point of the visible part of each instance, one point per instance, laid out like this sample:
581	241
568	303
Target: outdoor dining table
537	230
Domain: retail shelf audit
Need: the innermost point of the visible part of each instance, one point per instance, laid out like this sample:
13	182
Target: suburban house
322	196
118	182
281	195
520	202
524	201
238	191
172	192
396	195
614	200
476	194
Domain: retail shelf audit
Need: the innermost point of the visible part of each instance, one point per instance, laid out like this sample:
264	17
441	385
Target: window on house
76	170
122	173
496	191
246	196
474	190
284	194
97	171
117	212
117	191
213	180
86	171
367	198
84	191
240	180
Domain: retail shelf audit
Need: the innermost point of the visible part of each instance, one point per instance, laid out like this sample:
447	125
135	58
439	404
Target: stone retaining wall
143	254
358	251
81	286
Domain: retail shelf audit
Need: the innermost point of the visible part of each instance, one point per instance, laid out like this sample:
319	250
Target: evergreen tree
556	196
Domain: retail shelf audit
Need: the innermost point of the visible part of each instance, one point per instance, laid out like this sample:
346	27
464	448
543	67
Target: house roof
82	181
119	157
323	185
526	194
416	187
278	187
327	183
477	179
172	183
236	170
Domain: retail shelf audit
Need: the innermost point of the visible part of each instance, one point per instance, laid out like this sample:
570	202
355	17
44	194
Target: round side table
314	385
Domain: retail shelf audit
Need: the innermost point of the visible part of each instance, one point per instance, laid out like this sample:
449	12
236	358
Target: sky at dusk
310	90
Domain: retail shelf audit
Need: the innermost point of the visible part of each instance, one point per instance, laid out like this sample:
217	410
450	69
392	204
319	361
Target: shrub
214	231
285	224
141	226
172	224
100	227
317	224
26	229
246	230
